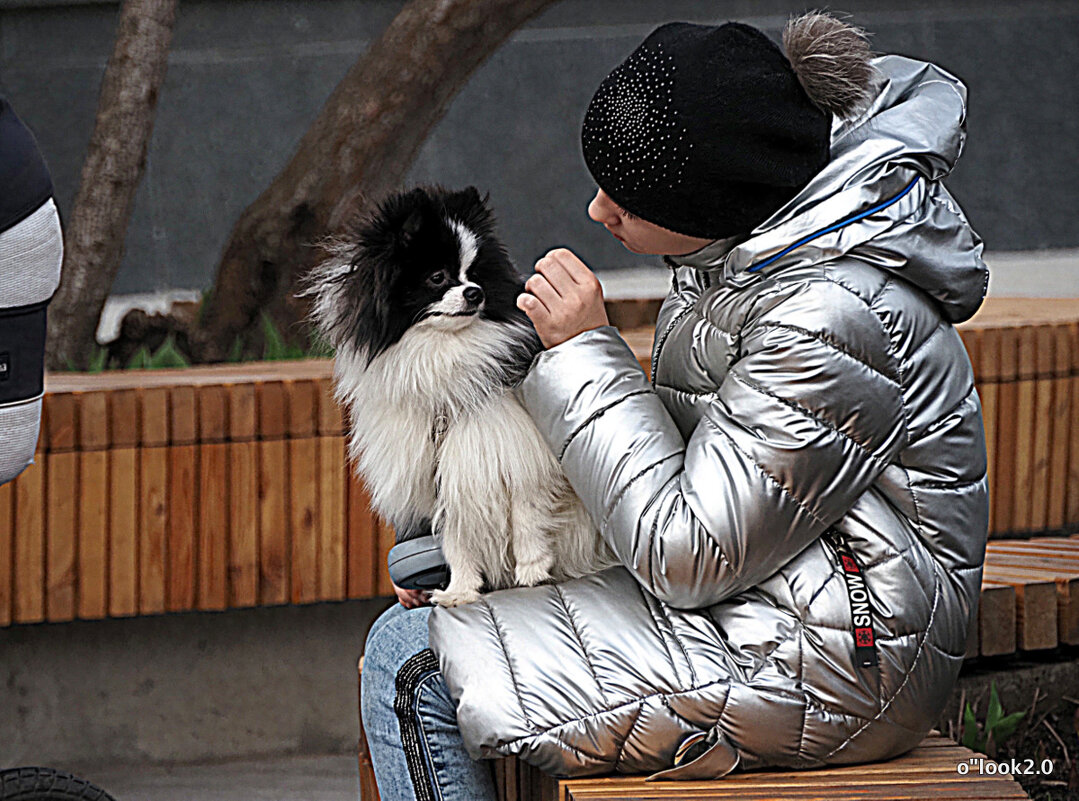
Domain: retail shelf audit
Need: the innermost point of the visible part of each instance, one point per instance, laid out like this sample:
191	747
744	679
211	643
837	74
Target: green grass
169	356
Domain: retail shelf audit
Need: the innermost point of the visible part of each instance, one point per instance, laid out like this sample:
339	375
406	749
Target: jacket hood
879	199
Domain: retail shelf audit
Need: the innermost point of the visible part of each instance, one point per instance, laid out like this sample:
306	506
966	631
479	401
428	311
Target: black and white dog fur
420	306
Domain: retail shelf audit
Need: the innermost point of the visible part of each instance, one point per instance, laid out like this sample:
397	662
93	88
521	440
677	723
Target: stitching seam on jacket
580	642
693	393
509	666
801	680
622	492
948	654
877	295
803	410
666	701
902	398
941	326
592	417
767	475
658	346
932	427
678	642
836	346
660	630
652	539
625	740
727	680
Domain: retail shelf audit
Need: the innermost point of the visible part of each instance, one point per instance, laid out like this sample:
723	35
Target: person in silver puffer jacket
798	495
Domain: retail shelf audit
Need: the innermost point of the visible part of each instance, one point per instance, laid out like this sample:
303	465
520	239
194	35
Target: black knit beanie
706	130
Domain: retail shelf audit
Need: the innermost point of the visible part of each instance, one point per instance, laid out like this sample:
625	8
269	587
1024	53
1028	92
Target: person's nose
602	209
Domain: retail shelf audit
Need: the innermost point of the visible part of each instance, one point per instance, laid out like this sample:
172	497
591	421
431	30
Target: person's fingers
554	270
535	310
576	269
541	288
531	306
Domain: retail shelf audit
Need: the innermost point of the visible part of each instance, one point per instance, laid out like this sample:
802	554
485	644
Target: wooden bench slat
7	551
997	618
1035	606
333	518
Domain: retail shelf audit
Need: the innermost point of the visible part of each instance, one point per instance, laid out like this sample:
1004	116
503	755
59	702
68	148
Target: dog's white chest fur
487	482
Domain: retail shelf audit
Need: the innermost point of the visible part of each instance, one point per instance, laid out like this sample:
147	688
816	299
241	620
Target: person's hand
563	298
412	599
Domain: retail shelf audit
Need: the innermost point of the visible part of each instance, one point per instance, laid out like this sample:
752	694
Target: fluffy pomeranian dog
420	305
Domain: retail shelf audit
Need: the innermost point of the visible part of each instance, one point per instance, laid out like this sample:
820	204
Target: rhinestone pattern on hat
632	136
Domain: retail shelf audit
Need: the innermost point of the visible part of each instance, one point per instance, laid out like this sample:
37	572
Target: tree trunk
94	236
360	146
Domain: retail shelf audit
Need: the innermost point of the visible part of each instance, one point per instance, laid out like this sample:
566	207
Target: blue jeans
411	720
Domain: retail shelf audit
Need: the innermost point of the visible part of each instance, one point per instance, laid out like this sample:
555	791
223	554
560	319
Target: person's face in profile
638	235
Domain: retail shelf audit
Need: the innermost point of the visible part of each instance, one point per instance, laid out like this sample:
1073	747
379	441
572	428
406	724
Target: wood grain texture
273	494
1035	605
362	540
153	528
213	499
273	503
1007	431
996	619
183	500
333	518
93	506
124	520
1024	430
304	516
243	538
29	604
987	347
1072	481
61	533
213	526
61	462
93	535
7	551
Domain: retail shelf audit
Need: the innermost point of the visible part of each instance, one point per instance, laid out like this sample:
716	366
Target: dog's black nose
474	295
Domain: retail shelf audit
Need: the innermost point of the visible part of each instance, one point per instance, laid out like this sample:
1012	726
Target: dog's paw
531	575
454	597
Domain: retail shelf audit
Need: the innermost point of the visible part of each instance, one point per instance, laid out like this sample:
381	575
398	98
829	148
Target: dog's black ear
411	226
470	196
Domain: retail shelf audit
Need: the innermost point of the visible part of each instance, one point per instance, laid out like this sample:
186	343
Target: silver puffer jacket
809	394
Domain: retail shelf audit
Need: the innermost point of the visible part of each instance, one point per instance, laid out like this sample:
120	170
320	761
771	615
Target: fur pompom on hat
707	130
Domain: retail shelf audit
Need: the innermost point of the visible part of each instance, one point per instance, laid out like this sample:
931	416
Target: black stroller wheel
46	784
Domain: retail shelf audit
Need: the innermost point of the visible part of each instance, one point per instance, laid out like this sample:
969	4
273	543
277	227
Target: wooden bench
1029	598
226	486
931	770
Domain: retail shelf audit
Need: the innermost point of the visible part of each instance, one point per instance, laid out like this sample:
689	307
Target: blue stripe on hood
859	216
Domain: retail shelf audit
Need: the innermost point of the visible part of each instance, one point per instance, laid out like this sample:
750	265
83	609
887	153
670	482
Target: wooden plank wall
187	496
228	486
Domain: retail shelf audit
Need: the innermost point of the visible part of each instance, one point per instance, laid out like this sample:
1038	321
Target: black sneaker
416	561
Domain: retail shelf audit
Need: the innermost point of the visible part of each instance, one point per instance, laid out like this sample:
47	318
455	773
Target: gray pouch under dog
30	255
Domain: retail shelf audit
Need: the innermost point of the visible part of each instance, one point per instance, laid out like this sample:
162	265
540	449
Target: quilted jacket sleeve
802	424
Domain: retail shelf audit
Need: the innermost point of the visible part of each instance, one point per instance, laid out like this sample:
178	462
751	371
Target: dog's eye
438	279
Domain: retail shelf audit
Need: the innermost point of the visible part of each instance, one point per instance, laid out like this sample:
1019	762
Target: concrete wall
246	77
181	687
